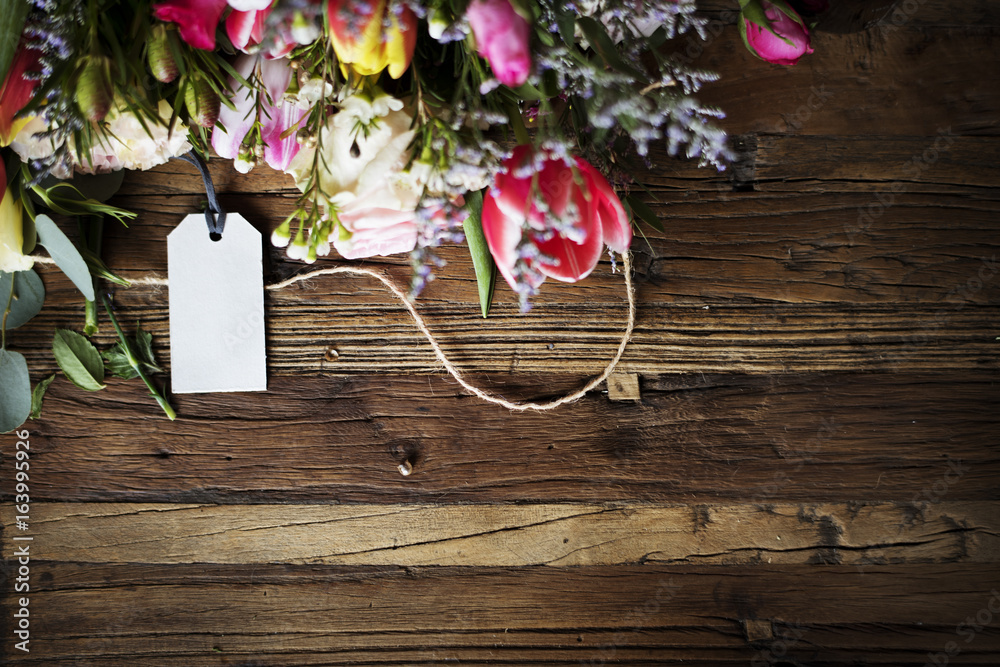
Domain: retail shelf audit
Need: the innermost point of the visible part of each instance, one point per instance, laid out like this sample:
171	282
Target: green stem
134	362
92	232
6	312
517	123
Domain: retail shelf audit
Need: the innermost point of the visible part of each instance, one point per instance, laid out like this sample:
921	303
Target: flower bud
282	235
160	57
93	87
202	101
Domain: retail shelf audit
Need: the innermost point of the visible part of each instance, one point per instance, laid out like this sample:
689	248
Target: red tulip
524	239
16	92
196	19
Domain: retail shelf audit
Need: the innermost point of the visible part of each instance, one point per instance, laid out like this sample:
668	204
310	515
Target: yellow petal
12	257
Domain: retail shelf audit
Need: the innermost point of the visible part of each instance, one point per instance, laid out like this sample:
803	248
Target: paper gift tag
216	307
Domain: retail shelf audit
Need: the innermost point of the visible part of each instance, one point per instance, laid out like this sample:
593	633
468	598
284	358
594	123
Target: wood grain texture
520	535
95	614
691	439
816	361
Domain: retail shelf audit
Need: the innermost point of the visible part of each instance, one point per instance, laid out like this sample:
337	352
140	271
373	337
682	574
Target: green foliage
78	359
482	260
15	399
26	293
37	395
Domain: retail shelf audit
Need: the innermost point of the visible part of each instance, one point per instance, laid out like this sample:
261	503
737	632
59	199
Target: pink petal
245	28
280	115
615	228
502	236
196	19
237	123
377	231
576	260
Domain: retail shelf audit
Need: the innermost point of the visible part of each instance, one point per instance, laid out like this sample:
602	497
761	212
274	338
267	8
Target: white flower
303	30
29	148
127	145
354	110
312	91
243	166
363	177
384	103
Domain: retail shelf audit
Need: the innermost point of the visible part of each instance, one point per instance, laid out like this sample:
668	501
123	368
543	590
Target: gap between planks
514	535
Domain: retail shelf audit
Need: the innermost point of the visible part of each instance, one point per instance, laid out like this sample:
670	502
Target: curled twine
438	352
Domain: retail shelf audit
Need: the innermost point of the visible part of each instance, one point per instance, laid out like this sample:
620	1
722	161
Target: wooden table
804	472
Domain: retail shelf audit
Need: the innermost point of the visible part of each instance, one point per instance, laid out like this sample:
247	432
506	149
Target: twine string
438	352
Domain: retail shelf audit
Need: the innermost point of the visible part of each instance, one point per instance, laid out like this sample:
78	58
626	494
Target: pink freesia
783	41
277	116
196	19
502	37
509	213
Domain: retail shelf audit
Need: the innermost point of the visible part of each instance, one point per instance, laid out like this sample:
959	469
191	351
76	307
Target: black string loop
215	215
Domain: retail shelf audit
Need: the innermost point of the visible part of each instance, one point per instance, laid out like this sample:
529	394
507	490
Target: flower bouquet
405	124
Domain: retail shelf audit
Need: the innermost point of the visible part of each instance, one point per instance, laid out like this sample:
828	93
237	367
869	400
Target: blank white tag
216	307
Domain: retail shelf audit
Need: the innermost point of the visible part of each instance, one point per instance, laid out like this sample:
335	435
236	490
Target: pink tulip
502	37
774	32
196	19
276	117
510	214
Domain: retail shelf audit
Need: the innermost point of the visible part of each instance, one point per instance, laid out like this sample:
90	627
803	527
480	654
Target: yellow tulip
12	257
359	42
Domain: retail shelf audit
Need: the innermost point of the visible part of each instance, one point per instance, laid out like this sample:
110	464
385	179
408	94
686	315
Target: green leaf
602	43
482	260
14	13
29	294
566	20
15	399
116	363
93	187
78	359
144	348
65	254
644	212
37	395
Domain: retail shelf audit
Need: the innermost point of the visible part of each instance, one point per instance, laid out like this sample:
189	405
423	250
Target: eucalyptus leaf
15	399
65	254
78	359
37	395
29	294
482	260
14	13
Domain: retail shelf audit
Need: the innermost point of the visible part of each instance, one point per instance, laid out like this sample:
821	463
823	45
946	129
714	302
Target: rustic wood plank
861	83
291	615
510	536
691	439
577	339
